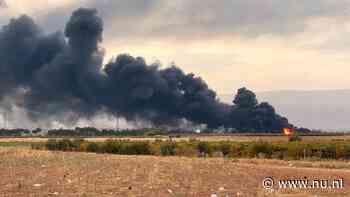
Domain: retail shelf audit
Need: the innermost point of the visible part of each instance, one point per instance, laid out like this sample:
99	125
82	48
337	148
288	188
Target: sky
262	45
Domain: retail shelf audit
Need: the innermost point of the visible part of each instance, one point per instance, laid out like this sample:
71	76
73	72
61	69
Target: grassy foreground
193	148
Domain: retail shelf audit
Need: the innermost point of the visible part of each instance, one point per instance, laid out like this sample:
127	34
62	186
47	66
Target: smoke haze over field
61	77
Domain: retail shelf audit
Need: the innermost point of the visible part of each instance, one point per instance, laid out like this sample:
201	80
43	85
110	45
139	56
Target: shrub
238	150
52	144
342	151
93	147
225	149
168	148
328	151
204	148
155	148
260	149
136	148
186	149
65	145
291	150
38	146
295	150
77	143
112	146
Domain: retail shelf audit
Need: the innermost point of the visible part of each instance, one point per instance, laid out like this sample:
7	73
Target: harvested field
26	172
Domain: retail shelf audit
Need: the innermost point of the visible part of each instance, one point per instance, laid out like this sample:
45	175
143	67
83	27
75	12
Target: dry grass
26	172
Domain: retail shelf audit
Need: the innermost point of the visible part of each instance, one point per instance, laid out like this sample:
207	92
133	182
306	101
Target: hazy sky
260	44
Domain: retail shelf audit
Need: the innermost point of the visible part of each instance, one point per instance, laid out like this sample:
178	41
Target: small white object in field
170	191
37	185
221	189
214	195
198	131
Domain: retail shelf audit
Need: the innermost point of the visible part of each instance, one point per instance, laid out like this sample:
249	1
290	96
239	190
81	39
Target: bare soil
26	172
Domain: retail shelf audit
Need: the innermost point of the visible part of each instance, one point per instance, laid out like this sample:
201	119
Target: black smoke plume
62	73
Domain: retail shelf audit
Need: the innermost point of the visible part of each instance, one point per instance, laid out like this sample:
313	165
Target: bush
168	148
260	149
204	148
290	150
66	145
93	147
295	150
136	148
155	148
186	149
342	151
237	150
112	146
225	148
52	144
38	146
328	151
78	144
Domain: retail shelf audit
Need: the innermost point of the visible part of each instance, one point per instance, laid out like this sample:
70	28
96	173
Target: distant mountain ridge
317	109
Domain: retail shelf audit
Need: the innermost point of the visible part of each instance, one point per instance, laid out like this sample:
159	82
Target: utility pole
117	121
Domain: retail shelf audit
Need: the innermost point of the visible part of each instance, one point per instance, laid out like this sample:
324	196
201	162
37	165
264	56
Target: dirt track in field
26	172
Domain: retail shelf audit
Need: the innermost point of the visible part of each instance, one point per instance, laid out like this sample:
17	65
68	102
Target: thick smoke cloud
61	74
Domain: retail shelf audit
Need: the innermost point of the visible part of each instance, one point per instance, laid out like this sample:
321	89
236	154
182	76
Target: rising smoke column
70	81
23	51
62	73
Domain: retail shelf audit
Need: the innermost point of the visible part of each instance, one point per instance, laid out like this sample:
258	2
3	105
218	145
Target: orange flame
287	131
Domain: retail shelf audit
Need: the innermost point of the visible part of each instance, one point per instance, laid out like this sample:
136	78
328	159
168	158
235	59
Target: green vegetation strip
16	143
295	150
